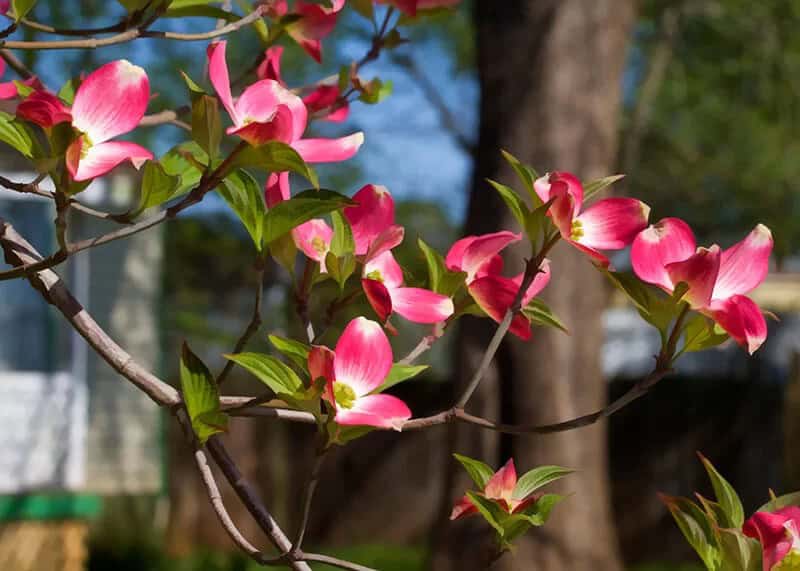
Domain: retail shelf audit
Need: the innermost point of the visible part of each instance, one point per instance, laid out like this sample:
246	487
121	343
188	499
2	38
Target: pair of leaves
534	222
201	396
713	528
510	526
442	280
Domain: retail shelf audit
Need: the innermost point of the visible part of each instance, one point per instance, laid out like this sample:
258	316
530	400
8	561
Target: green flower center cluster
344	394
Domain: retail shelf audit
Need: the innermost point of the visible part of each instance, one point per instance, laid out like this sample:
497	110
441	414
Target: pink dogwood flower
410	7
359	365
609	224
314	23
383	284
375	234
779	535
322	97
111	101
267	111
499	488
665	254
479	257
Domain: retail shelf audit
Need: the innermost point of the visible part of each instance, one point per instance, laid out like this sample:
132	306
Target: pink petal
218	74
390	238
363	356
564	182
384	268
325	97
611	223
597	258
540	280
463	508
479	251
744	266
495	294
8	90
421	305
44	109
772	530
669	240
501	485
97	160
320	362
742	319
315	23
261	100
563	209
329	150
378	297
699	272
270	68
277	188
111	101
373	214
313	238
277	128
383	411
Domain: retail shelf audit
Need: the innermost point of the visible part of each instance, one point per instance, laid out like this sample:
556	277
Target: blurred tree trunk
550	76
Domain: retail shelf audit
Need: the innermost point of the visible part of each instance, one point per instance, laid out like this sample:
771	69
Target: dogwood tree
695	297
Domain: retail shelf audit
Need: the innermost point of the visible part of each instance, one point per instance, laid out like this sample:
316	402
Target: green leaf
526	175
201	396
537	222
206	124
442	280
514	526
23	90
194	88
539	313
539	512
342	242
518	208
727	497
786	500
479	472
274	157
695	527
399	373
270	371
340	268
284	250
185	161
491	512
652	305
301	208
243	194
21	8
702	333
375	91
595	186
536	478
296	351
157	187
67	91
17	135
739	552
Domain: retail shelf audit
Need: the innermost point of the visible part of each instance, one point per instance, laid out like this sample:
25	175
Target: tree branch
133	34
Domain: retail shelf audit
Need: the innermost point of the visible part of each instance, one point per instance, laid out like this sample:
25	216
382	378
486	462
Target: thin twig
308	495
334	562
120	26
532	268
255	319
168	117
16	64
133	34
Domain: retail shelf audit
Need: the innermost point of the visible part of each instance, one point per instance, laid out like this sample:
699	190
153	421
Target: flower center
319	245
344	394
375	275
577	230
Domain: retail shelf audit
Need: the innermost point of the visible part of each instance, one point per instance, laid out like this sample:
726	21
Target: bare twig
255	320
532	268
168	117
333	561
308	495
133	34
120	26
16	64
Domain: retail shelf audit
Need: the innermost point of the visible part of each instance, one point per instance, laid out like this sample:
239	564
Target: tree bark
550	76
